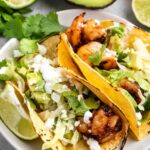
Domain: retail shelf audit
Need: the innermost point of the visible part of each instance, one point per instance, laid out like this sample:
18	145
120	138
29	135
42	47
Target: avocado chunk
35	82
26	60
41	99
92	4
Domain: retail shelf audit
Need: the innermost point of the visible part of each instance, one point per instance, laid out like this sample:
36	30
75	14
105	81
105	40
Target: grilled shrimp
87	31
102	126
99	122
74	32
132	88
109	63
86	50
92	31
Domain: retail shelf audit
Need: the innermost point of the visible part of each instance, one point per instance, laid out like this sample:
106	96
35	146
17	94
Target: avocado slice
92	4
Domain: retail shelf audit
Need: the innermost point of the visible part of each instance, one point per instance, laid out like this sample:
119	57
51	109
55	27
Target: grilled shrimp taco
115	58
65	109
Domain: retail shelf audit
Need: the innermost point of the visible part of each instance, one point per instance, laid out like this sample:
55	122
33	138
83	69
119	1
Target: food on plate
141	11
115	58
93	4
65	109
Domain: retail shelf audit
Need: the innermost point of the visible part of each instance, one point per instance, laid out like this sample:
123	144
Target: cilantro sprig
14	24
96	57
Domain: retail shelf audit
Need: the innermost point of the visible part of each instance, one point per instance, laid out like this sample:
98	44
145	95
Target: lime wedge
19	125
18	4
14	115
141	9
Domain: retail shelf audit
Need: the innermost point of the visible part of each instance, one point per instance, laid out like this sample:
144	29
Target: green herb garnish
96	57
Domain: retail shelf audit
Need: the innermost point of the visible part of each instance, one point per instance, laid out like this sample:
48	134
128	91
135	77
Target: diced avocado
22	71
28	46
26	60
42	99
35	82
92	4
115	43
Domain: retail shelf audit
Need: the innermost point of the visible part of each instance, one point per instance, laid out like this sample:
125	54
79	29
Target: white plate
66	18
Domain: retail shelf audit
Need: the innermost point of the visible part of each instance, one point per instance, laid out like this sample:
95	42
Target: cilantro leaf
4	7
96	57
6	17
28	46
121	56
72	99
50	24
118	31
32	26
79	107
82	105
14	24
13	28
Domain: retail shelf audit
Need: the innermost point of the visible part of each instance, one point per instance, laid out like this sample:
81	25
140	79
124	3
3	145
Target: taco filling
68	108
114	51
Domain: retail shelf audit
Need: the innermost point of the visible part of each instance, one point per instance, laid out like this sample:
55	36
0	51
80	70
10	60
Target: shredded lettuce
114	76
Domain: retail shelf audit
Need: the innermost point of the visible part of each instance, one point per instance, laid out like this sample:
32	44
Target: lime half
141	9
18	4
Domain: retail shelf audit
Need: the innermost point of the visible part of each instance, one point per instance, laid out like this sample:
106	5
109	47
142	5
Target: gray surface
121	8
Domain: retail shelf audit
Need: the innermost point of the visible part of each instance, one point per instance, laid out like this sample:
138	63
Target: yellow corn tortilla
113	94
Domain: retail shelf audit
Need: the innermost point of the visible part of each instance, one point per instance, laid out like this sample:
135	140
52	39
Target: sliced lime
141	9
14	116
19	125
18	4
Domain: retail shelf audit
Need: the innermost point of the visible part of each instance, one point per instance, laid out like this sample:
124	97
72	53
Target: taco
65	109
72	123
114	57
